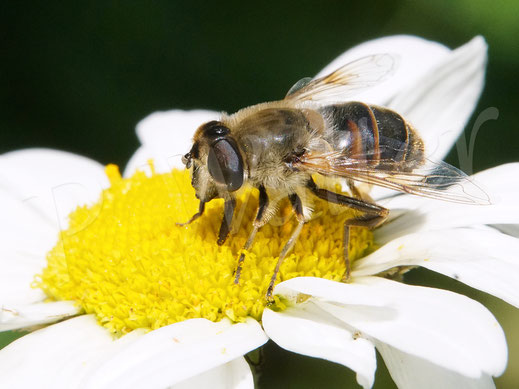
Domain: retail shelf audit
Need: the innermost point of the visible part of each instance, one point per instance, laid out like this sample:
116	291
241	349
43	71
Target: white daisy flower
141	302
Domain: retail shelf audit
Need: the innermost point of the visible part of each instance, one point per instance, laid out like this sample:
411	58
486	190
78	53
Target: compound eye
214	130
225	164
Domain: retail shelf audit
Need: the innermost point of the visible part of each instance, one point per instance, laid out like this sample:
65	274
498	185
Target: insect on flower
278	146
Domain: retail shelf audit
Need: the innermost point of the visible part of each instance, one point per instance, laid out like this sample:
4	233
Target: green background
78	76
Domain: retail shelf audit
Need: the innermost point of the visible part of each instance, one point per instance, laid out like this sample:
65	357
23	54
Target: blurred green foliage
78	76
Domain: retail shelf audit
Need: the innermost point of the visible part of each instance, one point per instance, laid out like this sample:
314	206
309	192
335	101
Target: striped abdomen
374	134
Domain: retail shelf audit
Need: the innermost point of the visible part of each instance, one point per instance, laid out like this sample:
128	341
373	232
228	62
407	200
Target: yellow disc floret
127	261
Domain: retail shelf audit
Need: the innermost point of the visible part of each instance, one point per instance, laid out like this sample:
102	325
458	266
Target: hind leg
374	215
368	221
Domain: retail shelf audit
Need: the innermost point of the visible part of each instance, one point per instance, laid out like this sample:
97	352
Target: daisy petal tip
476	50
31	315
479	42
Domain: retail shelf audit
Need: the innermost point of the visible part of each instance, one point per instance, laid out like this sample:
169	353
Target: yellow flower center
127	261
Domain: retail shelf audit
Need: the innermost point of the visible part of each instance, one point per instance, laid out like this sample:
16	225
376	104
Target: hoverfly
278	146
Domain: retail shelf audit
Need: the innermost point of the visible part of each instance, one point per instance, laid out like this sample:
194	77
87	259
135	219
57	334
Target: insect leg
373	216
225	227
354	190
261	219
369	221
351	202
200	212
298	209
357	193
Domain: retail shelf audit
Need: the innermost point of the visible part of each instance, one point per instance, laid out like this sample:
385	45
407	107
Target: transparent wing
437	180
345	81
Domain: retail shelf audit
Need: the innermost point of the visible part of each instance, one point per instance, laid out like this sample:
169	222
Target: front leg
201	208
225	227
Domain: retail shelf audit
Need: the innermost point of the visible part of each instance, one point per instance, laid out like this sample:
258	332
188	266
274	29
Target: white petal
308	330
70	354
13	316
425	214
416	57
440	103
23	228
25	238
54	357
17	272
177	352
52	182
140	161
484	259
410	372
38	190
167	135
442	327
232	375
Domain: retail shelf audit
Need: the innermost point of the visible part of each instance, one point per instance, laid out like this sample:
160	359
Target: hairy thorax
269	138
